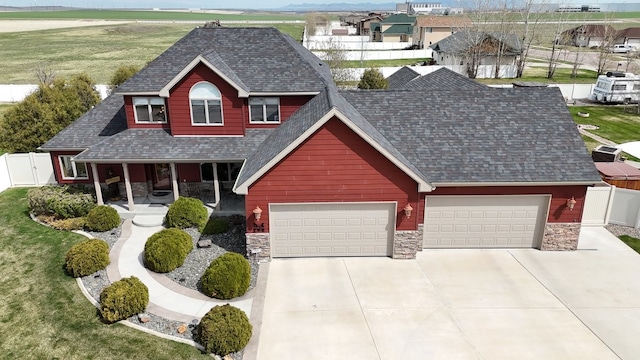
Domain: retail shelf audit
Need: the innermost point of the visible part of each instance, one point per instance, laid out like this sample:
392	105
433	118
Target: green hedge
186	212
102	218
59	201
223	330
87	257
227	277
123	299
167	249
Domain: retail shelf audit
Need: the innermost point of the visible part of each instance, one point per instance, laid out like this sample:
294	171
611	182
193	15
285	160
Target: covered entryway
485	221
332	229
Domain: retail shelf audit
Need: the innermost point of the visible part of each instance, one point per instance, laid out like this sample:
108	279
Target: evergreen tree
373	79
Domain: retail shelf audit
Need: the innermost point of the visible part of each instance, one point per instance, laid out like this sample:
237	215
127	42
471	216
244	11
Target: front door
161	177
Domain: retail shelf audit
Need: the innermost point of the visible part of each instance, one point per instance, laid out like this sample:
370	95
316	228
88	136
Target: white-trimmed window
72	170
149	110
264	110
206	104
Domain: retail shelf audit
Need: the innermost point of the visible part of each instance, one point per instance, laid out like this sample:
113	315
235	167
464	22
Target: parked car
621	48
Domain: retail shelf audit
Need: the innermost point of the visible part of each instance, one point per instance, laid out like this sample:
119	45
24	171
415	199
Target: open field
97	50
43	313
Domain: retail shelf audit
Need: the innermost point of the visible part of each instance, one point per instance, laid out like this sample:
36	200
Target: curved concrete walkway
166	298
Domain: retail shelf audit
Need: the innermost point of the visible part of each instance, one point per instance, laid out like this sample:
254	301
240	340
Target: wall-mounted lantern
571	203
257	212
407	211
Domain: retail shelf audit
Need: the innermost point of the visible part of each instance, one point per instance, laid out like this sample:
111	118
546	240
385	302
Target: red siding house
249	112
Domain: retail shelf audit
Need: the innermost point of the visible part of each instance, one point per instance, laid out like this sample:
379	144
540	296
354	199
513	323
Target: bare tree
335	56
530	15
608	35
45	74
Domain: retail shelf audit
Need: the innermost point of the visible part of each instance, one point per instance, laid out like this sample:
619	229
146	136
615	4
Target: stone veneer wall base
258	246
560	237
406	244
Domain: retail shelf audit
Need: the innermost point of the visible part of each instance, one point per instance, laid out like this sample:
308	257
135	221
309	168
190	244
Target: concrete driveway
456	304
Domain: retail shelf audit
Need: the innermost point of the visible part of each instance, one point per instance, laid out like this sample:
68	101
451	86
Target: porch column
174	181
216	183
96	183
127	186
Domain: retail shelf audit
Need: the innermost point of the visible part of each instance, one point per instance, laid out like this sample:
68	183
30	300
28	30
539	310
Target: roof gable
401	77
443	77
399	29
399	19
463	41
236	54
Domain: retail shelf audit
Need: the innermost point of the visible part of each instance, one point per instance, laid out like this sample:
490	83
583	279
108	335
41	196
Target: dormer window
150	110
264	110
206	104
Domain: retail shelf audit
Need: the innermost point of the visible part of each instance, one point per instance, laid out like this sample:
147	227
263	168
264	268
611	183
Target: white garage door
331	229
484	221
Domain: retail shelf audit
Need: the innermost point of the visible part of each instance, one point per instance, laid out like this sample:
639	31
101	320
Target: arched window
206	104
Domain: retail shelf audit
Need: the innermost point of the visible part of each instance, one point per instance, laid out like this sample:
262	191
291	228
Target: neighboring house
336	173
471	49
589	35
394	28
429	30
364	24
629	36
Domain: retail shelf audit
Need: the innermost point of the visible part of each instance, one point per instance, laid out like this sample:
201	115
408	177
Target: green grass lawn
619	124
145	15
631	241
43	314
538	73
96	50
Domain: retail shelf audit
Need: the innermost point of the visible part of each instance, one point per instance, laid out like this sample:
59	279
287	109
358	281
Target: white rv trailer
617	87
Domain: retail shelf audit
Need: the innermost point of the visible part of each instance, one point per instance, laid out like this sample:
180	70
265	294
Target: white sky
183	4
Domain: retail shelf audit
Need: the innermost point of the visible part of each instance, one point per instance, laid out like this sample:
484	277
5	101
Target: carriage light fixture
571	203
257	212
407	210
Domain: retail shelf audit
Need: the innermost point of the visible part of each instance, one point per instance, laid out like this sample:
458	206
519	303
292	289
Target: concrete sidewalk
457	304
166	298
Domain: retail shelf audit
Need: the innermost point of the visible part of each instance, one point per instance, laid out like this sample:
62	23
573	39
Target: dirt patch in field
31	25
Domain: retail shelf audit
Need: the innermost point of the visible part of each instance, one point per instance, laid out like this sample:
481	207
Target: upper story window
264	110
206	104
150	110
72	170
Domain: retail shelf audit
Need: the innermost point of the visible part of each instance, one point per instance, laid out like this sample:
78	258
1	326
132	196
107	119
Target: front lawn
43	313
631	241
619	124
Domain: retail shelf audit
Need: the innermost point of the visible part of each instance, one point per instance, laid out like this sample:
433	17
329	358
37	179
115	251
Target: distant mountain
338	7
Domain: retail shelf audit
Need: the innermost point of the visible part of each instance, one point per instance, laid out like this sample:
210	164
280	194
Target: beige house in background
429	30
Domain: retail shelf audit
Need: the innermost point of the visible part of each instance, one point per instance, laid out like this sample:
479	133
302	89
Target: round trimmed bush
123	299
186	212
87	257
102	218
167	249
216	226
227	277
223	330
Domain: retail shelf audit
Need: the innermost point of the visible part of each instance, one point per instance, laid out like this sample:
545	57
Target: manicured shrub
67	224
58	201
122	299
227	277
167	249
223	330
87	257
186	212
216	226
102	218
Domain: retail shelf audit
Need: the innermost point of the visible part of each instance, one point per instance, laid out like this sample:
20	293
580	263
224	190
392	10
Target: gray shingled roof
481	135
104	120
158	145
401	77
260	59
462	40
443	78
305	118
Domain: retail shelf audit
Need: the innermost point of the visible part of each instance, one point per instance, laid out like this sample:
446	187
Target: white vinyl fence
25	170
625	209
598	205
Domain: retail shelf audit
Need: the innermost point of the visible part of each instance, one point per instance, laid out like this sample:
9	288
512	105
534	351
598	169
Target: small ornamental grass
223	330
186	212
227	277
167	249
102	218
87	257
123	299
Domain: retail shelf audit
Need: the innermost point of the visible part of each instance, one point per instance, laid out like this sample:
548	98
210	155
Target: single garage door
484	221
331	229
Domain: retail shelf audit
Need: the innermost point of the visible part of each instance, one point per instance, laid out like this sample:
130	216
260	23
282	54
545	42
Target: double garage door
485	221
332	229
